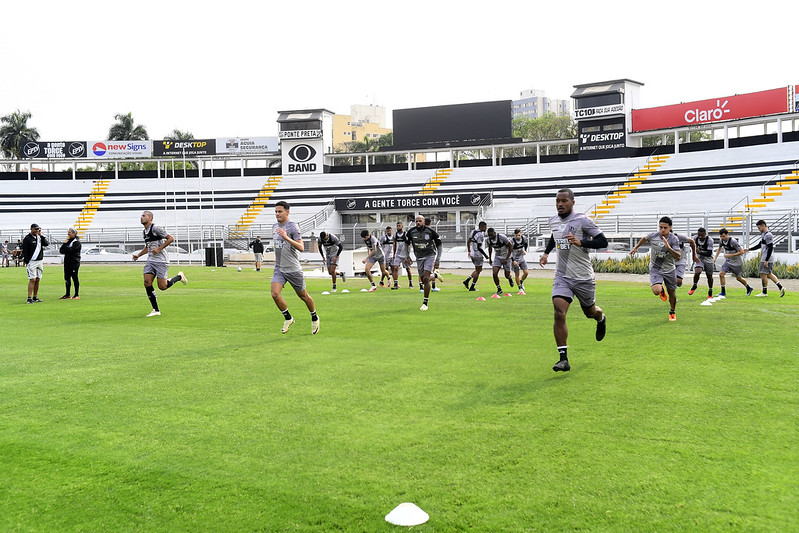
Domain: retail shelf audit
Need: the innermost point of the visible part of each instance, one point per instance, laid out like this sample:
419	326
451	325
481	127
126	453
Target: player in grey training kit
474	248
330	248
704	252
766	247
386	243
288	246
663	258
502	248
400	254
426	246
573	234
375	255
680	265
157	266
733	262
518	261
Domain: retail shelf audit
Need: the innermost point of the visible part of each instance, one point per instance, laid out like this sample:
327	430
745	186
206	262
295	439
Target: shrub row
640	265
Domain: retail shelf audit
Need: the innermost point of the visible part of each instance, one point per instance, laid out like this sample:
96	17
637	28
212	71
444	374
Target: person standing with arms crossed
288	246
427	247
33	246
71	250
156	239
572	235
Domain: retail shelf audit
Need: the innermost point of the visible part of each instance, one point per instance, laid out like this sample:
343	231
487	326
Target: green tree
126	130
657	140
15	132
178	135
550	127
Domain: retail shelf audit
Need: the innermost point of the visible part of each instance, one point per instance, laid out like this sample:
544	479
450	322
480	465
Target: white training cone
345	290
325	292
706	302
364	290
407	514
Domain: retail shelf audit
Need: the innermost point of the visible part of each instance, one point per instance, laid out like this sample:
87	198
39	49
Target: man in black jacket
258	251
33	246
71	250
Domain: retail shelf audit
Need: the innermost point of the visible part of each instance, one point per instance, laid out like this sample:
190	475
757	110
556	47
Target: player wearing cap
33	246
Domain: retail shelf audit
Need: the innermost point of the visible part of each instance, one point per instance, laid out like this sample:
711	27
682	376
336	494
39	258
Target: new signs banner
713	110
119	149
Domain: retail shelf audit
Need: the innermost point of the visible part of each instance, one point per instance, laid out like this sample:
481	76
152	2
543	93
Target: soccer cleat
382	284
315	326
663	296
183	279
372	289
36	300
749	291
334	289
721	296
436	289
761	295
65	297
410	285
394	287
153	313
521	287
286	325
423	308
709	296
472	288
76	297
562	366
466	282
601	328
672	316
30	301
343	277
782	293
691	291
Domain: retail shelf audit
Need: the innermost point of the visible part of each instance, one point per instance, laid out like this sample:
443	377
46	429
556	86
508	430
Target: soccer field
208	419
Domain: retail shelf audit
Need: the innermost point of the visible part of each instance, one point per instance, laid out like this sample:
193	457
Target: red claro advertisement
713	110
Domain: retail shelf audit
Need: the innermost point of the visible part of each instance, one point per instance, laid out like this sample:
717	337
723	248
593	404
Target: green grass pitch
208	419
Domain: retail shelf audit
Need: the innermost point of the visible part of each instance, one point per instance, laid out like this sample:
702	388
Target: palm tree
177	135
15	132
125	130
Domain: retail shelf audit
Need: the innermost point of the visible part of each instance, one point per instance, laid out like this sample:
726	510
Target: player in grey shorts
502	248
573	234
426	246
375	256
766	247
288	246
704	251
330	248
733	262
663	258
386	243
518	261
157	266
474	249
680	265
400	253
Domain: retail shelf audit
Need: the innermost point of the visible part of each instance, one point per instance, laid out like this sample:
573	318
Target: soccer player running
375	256
386	243
733	262
663	258
426	246
680	266
156	239
330	248
503	249
766	247
704	251
435	276
474	249
400	257
573	234
288	246
519	243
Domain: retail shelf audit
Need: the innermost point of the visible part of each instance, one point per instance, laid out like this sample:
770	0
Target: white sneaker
423	308
315	326
333	290
761	295
286	325
436	289
154	313
373	288
183	279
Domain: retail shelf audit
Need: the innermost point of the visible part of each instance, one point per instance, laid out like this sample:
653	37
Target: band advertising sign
713	110
303	157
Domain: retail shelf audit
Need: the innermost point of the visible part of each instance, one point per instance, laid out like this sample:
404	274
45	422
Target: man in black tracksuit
71	250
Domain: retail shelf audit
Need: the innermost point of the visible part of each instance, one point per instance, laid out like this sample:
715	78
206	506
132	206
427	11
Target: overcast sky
220	69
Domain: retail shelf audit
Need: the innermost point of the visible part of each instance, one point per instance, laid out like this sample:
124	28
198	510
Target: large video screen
452	124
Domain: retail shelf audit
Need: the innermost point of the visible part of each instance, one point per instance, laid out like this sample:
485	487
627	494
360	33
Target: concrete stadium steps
91	206
247	219
639	176
435	182
772	192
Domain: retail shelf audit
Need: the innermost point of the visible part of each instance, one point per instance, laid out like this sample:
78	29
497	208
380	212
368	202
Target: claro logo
706	115
302	153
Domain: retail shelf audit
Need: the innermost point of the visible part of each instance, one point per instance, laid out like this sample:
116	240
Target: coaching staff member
33	246
71	250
